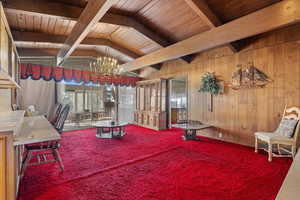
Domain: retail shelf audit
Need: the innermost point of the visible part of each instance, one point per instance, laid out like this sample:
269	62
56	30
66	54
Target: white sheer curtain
39	93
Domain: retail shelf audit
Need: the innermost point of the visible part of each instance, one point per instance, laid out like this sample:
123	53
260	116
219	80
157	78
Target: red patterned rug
148	165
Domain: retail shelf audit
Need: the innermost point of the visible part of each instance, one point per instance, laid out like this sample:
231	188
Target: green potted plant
210	84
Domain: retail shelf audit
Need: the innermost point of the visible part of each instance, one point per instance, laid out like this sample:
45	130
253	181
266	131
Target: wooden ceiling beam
66	12
43	8
33	52
53	52
201	8
131	22
275	16
91	14
21	36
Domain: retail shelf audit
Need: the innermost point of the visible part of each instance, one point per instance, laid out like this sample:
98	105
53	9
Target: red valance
48	73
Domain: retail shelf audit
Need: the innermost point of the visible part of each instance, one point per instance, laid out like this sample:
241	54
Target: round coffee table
190	130
107	129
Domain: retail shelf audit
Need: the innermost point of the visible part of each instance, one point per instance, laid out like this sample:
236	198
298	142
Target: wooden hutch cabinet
9	58
151	104
8	123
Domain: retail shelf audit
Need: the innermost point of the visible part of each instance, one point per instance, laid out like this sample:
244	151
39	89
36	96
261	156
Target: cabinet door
2	168
153	98
163	95
7	168
142	99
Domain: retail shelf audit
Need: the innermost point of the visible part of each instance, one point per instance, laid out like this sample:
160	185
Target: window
69	98
85	101
96	101
79	101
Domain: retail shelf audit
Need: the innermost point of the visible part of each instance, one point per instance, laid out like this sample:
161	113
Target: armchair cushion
273	137
287	127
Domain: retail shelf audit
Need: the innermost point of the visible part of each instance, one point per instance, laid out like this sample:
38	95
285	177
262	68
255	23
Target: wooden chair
41	150
55	114
286	146
14	107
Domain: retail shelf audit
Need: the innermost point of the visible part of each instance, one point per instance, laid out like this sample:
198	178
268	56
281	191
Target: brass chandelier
106	65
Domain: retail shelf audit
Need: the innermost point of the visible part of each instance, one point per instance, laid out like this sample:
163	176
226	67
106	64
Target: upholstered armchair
284	141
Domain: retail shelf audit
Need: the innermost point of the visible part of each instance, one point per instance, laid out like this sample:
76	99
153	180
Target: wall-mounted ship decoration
249	77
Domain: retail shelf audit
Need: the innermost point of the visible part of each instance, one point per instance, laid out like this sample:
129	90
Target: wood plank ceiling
130	29
273	17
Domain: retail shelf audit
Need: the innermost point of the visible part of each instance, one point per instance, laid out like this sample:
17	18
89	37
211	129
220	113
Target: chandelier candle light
106	65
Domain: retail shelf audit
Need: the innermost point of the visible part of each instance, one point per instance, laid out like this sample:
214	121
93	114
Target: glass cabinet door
127	101
178	100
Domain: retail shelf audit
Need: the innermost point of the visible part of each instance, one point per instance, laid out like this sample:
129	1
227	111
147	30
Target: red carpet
148	165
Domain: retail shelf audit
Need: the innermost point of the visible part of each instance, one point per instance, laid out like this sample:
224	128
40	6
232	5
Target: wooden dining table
35	129
16	131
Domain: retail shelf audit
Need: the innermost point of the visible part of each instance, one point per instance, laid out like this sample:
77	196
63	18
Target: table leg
119	132
185	135
194	135
123	130
99	131
111	132
190	135
108	132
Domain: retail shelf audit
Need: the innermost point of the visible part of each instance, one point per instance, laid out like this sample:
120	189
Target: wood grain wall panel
174	19
239	113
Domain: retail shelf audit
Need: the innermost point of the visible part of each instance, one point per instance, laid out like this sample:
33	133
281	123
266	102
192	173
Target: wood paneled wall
237	114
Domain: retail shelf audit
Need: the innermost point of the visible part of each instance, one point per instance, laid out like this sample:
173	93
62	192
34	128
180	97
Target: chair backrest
59	125
293	113
14	107
55	113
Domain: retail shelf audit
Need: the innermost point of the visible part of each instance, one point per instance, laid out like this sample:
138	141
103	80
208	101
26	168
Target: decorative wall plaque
249	77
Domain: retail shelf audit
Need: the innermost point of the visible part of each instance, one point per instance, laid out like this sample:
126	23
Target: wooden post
210	102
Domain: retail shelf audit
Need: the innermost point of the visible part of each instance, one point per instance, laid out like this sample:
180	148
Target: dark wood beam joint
157	66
